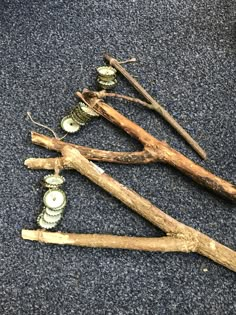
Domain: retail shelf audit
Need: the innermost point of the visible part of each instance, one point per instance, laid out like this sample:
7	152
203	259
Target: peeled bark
200	243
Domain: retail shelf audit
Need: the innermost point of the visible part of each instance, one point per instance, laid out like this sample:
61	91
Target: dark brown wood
156	106
104	93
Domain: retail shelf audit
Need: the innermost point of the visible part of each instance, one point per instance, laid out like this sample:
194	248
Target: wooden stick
161	150
201	243
157	107
104	93
139	157
151	153
160	244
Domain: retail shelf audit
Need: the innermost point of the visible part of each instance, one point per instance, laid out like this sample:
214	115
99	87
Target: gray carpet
186	60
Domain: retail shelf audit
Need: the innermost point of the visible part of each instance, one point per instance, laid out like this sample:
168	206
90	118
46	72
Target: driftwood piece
154	149
156	106
159	244
216	184
159	151
195	240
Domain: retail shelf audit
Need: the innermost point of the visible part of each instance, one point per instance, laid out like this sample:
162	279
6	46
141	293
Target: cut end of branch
107	57
28	163
128	60
29	235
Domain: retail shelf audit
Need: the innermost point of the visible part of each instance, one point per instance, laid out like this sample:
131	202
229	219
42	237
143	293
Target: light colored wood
154	150
160	244
200	243
160	150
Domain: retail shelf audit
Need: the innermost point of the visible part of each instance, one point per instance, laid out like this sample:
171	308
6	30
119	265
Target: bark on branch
164	154
156	106
200	243
139	157
160	150
160	244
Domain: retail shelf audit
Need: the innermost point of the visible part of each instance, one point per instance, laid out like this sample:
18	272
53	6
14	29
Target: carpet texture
186	60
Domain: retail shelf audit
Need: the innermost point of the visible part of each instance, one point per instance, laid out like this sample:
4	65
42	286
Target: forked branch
156	106
160	150
200	243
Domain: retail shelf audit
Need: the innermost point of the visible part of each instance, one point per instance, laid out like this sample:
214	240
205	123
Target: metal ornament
53	181
54	201
51	218
69	125
106	73
78	117
45	225
53	212
107	85
106	77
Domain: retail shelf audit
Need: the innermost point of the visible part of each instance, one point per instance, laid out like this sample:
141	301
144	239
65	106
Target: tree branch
201	243
160	244
104	93
139	157
161	151
157	107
